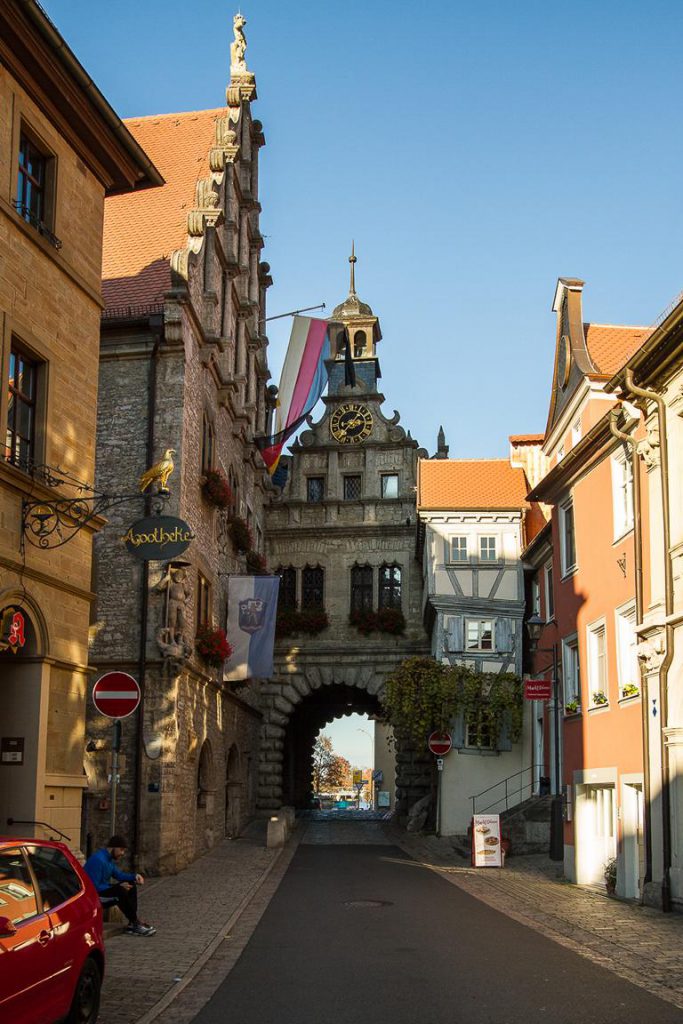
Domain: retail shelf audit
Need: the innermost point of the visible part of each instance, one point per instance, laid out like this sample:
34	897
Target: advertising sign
538	689
486	851
158	538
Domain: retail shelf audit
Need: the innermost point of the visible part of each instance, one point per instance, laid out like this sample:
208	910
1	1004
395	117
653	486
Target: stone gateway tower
342	535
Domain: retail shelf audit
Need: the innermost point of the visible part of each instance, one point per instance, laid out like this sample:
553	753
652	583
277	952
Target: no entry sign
440	743
116	695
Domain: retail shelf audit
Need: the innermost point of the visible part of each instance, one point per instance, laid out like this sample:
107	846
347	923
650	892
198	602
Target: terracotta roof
610	347
470	483
143	229
526	438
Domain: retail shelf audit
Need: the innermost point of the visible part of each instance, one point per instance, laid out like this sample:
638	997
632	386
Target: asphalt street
361	934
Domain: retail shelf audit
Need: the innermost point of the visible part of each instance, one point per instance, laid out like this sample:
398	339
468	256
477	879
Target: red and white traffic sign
440	743
116	695
538	689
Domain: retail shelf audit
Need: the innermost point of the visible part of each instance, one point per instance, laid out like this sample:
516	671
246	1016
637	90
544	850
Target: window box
216	489
600	699
307	620
212	644
629	691
572	708
256	563
386	620
240	535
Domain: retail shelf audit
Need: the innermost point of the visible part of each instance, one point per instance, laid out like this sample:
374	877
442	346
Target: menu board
486	852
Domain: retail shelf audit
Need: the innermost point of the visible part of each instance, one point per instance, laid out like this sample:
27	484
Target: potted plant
216	489
212	644
610	876
599	698
572	707
630	690
256	563
241	535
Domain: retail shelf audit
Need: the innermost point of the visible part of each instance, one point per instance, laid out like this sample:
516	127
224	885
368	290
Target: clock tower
342	536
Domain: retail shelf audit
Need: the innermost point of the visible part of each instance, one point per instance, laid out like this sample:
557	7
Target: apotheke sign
158	538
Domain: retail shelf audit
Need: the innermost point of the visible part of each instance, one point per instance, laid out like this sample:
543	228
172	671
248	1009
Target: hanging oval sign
158	538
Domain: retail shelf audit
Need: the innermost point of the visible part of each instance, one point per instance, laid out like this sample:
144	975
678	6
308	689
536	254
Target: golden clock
351	423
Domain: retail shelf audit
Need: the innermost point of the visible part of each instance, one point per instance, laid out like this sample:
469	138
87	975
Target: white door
595	832
634	846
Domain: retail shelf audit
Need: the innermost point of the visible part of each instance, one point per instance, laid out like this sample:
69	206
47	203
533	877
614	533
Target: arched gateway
343	536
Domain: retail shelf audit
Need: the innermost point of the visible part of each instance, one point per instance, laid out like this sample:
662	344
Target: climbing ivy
422	695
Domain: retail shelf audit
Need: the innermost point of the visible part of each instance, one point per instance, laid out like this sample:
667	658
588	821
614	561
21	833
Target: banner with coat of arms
252	610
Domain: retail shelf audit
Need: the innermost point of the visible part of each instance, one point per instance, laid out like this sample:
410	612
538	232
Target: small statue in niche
178	592
239	46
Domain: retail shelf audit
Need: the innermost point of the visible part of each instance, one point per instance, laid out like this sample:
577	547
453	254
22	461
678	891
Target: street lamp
535	625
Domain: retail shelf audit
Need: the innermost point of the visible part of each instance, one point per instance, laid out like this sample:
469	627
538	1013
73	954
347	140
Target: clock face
351	423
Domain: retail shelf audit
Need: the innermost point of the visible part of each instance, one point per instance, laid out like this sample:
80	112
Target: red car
51	944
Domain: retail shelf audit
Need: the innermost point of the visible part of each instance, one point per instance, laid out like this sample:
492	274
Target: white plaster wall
466	773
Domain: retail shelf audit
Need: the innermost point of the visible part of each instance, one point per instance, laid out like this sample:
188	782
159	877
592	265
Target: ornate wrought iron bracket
54	521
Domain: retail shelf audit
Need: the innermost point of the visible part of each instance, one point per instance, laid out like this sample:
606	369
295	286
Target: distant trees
329	769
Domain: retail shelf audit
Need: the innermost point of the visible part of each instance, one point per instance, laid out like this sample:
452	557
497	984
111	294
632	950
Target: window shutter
456	634
504	739
503	635
458	732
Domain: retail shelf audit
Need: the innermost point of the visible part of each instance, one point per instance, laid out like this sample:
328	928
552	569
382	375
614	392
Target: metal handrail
506	795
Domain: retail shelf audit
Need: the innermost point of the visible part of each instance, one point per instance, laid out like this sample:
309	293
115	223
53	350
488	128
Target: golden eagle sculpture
160	471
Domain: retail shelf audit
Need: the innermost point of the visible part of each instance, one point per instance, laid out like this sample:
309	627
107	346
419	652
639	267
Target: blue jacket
101	868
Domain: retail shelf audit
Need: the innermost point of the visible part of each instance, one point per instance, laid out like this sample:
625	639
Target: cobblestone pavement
190	910
637	943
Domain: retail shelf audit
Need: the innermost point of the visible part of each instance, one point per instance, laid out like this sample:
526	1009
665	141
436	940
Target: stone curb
172	994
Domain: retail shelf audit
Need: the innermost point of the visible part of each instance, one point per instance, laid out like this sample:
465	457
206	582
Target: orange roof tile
471	484
610	347
526	438
143	229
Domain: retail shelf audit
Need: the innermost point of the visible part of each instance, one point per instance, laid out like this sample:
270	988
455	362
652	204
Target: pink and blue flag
303	380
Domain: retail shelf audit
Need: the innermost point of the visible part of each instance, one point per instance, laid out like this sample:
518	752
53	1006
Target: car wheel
86	1002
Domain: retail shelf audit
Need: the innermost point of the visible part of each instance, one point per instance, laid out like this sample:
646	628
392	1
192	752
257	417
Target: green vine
422	695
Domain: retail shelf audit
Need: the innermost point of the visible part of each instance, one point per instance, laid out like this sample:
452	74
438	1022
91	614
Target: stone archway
296	709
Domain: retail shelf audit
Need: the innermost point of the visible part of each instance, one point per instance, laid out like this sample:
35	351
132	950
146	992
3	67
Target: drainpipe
652	396
638	553
144	598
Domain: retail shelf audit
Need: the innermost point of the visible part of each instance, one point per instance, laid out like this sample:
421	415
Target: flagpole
294	312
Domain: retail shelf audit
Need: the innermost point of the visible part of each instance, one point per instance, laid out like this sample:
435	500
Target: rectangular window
312	585
622	493
389	595
361	588
627	658
459	549
21	409
203	600
549	595
571	673
32	182
567	537
390	485
351	488
535	596
478	734
479	635
597	664
487	549
315	488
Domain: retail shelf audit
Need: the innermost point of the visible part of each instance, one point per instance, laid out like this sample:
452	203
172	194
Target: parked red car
51	943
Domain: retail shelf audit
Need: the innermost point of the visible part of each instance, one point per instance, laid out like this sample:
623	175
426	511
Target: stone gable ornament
238	47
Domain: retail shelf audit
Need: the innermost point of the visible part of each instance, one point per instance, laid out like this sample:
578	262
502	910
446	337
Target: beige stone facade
50	259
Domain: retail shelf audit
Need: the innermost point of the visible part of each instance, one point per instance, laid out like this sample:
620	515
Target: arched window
341	343
358	344
205	776
389	586
361	588
287	595
312	586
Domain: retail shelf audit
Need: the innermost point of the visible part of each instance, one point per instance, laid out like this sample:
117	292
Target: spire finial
353	260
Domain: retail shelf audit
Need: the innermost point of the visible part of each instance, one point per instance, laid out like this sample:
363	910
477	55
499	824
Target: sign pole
115	748
438	803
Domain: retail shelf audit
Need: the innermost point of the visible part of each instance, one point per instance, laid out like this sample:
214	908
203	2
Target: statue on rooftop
238	64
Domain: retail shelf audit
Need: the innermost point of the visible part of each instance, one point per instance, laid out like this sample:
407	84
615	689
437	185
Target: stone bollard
277	831
289	814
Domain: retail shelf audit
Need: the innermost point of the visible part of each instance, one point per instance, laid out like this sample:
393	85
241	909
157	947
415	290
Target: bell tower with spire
356	318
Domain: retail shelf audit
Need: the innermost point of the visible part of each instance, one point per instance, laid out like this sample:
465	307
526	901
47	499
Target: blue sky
475	152
353	737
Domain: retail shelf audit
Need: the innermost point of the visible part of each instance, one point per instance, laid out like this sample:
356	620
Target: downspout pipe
628	439
652	396
157	327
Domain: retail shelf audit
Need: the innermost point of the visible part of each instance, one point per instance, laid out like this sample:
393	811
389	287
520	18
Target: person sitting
101	869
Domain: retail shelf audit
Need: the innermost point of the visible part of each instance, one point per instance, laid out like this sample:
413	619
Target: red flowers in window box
216	489
308	620
241	535
256	563
386	620
212	644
